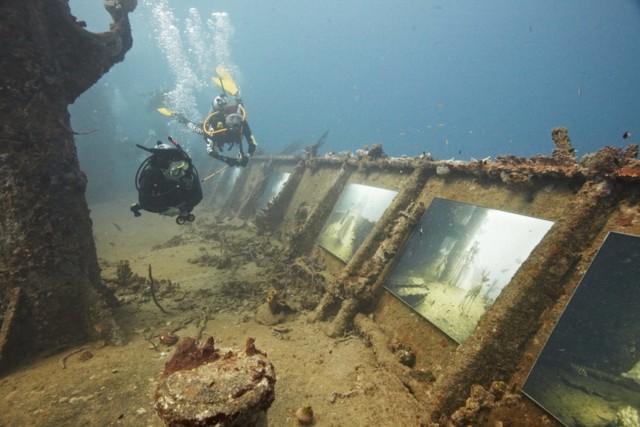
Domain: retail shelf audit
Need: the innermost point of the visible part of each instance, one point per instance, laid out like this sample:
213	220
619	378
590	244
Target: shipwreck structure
585	200
51	294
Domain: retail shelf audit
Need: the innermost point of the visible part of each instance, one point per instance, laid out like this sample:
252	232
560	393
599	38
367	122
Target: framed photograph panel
274	184
588	373
354	215
458	260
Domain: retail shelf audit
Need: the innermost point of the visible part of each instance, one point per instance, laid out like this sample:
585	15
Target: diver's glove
253	144
181	118
245	160
231	161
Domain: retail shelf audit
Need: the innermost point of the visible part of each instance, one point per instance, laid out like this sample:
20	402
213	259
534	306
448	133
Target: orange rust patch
632	171
625	221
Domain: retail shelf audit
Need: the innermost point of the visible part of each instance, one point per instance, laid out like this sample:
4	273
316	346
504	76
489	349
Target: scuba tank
167	182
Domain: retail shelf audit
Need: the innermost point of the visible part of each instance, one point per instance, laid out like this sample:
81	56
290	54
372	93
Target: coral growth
124	275
480	403
627	417
250	348
233	389
563	153
403	353
188	356
373	153
611	160
376	152
273	310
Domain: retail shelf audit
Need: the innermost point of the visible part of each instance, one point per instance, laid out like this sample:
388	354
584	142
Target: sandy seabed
339	378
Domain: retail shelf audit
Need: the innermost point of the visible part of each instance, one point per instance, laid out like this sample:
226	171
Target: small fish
421	231
579	370
116	226
626	135
579	91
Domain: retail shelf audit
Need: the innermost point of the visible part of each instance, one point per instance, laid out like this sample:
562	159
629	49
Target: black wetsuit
160	188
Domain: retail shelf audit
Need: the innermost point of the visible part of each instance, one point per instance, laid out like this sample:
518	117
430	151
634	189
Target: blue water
456	79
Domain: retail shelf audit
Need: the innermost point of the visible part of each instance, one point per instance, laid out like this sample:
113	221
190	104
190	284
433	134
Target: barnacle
272	300
168	338
304	415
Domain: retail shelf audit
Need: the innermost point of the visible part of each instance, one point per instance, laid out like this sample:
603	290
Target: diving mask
177	169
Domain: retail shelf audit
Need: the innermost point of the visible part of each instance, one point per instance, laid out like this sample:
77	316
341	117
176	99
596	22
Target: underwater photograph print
458	260
588	373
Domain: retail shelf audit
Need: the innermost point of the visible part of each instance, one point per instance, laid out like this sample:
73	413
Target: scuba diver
225	125
167	182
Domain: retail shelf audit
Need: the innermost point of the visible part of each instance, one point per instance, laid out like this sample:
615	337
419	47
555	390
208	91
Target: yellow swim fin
165	112
225	81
